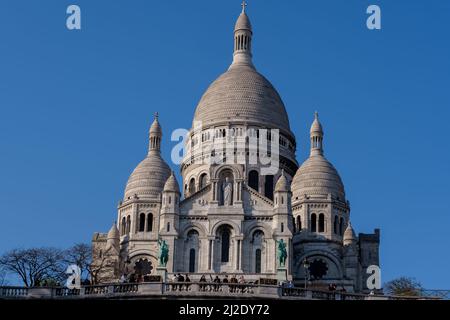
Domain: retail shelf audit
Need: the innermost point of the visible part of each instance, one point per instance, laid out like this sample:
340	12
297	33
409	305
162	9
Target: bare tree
103	267
81	255
34	266
93	262
403	286
3	280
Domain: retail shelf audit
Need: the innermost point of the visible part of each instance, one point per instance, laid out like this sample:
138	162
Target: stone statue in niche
227	191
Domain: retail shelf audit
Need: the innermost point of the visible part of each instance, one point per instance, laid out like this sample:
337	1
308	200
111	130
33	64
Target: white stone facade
231	216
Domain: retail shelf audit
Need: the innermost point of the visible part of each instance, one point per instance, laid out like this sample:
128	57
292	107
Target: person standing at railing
187	280
290	285
180	280
233	283
217	283
174	281
202	286
242	283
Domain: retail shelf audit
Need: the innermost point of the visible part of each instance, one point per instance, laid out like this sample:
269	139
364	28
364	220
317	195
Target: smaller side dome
282	184
113	233
317	176
349	235
171	184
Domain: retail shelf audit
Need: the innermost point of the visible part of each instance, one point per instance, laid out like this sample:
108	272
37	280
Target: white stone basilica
232	214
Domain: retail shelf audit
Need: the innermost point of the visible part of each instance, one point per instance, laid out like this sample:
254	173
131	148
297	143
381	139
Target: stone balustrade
184	289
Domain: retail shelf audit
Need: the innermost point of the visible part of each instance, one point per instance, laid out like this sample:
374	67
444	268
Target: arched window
141	222
258	261
321	223
313	222
336	225
257	243
203	180
225	245
282	227
168	227
341	226
294	226
299	223
149	222
192	186
253	180
192	260
124	226
128	224
268	187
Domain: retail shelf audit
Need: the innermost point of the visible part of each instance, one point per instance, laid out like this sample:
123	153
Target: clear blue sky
76	107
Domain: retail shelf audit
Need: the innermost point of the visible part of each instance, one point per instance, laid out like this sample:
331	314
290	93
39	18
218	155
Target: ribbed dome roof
149	177
316	126
156	127
242	93
317	176
243	23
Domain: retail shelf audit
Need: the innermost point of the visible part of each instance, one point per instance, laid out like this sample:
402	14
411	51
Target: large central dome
242	93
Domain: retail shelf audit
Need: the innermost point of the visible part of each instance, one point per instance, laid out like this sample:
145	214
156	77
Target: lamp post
306	267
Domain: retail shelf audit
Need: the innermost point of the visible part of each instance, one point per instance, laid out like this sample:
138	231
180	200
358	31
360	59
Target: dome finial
244	4
156	115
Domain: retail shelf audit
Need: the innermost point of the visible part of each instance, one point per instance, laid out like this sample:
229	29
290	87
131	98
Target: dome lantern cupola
316	133
243	40
155	135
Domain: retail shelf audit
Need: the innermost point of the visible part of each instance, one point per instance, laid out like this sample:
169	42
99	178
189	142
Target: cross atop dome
243	5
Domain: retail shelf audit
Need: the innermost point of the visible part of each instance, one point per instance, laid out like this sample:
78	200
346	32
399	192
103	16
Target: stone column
133	226
211	243
215	193
238	253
